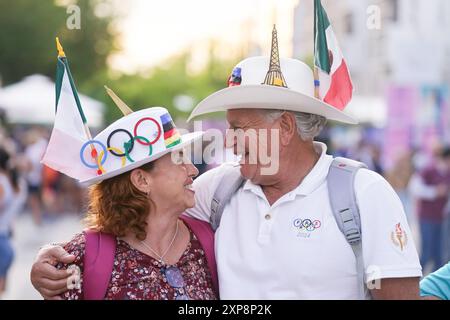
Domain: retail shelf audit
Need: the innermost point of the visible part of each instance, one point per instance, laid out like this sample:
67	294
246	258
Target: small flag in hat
70	127
332	75
171	135
235	79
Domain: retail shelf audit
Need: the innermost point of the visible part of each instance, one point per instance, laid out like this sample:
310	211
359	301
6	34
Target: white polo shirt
263	252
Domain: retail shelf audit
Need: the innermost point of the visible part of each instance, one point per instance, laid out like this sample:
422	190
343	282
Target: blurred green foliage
27	38
162	85
27	46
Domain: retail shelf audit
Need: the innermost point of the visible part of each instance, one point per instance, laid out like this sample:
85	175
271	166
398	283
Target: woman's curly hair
117	207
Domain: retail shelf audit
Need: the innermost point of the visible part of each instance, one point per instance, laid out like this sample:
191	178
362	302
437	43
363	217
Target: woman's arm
49	281
74	283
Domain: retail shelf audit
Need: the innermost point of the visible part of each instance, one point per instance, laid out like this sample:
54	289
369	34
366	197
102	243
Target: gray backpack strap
229	184
340	180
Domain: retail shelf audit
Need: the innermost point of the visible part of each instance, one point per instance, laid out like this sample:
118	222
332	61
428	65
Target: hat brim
186	140
268	97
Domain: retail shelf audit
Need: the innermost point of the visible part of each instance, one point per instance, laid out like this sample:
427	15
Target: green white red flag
335	85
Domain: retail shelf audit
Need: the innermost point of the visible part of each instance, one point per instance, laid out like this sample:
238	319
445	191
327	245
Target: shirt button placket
265	228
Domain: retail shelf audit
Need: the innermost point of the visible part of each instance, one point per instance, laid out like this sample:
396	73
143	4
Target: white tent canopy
32	101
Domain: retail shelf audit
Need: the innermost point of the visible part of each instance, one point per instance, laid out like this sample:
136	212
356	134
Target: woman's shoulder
78	242
76	247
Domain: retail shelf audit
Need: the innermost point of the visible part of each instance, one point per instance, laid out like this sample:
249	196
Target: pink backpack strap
205	235
98	264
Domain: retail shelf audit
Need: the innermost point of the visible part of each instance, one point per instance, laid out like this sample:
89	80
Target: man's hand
49	281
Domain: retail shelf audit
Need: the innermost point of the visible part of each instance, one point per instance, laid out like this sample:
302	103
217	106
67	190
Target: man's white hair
309	125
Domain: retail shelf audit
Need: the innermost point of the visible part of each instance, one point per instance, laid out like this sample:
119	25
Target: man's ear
288	127
140	180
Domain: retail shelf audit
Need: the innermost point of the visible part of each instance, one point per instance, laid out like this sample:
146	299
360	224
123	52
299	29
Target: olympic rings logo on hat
128	146
307	224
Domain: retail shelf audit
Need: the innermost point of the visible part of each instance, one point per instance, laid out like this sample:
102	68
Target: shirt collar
313	179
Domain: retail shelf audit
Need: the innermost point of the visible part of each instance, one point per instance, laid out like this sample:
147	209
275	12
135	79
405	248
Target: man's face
256	138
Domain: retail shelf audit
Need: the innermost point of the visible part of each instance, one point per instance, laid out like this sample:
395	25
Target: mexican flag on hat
135	139
332	77
70	126
271	83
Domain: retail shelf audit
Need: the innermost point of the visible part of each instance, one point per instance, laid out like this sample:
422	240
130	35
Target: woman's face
170	182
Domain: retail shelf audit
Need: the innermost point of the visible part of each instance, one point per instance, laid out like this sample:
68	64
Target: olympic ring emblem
132	141
100	163
114	150
307	224
111	149
147	142
127	146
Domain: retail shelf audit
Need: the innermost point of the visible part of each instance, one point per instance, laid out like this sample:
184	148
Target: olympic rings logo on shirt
124	153
307	224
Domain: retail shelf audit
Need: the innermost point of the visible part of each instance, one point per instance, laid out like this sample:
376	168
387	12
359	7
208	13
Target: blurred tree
27	46
27	37
160	85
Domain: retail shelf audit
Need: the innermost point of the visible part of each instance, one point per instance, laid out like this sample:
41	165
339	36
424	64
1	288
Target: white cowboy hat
250	88
146	135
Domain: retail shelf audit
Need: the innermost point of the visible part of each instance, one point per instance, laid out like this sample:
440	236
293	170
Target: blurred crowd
27	187
422	182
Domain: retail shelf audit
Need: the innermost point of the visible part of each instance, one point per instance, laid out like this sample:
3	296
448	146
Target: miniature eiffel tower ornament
274	77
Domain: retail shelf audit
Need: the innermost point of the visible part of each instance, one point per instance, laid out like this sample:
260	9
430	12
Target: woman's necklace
161	257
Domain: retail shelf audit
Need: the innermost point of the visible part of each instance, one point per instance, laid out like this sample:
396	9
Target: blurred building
398	52
410	47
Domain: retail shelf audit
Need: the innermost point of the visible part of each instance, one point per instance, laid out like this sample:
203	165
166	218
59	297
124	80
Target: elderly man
263	249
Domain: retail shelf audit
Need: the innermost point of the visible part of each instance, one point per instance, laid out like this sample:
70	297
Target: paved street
27	240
